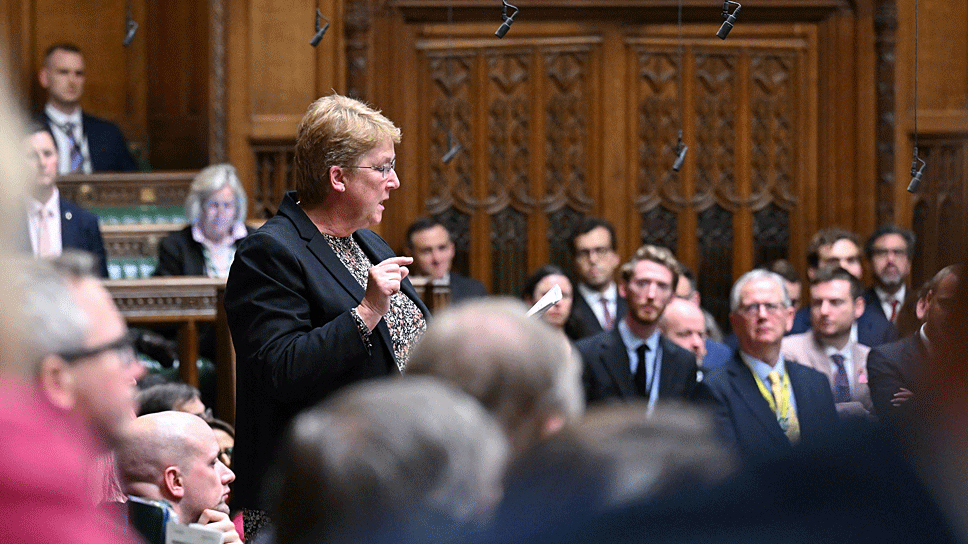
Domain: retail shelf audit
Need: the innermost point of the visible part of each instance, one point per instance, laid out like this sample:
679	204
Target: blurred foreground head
515	365
389	461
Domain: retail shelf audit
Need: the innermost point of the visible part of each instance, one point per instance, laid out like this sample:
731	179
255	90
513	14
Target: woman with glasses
315	300
216	208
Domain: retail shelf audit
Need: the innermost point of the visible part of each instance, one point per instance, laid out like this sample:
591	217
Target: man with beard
634	360
598	304
829	346
174	457
889	250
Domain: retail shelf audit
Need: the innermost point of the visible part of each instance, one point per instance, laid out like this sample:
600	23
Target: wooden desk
434	293
185	301
127	188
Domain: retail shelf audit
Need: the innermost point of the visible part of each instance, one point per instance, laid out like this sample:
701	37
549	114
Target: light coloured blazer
806	350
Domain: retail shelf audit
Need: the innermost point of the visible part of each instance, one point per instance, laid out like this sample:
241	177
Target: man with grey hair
763	403
81	346
515	365
174	457
412	459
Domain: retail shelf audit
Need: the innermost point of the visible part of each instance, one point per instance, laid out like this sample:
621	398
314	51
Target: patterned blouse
405	320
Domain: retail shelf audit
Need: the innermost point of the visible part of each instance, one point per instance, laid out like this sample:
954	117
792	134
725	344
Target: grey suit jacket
804	348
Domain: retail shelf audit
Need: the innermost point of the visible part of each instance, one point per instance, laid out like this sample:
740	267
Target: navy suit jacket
586	316
288	299
873	329
891	367
80	230
607	373
463	288
108	148
744	417
180	255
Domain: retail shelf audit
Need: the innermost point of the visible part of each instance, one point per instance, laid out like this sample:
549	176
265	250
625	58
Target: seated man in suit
895	369
87	143
634	360
889	250
830	345
838	247
174	457
763	403
683	323
55	224
430	244
598	304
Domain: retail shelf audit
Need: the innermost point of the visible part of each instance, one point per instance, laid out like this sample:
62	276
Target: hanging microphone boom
680	154
314	41
916	172
507	19
730	19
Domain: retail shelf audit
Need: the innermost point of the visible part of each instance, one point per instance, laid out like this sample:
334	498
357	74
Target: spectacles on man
754	308
587	253
124	346
885	251
385	169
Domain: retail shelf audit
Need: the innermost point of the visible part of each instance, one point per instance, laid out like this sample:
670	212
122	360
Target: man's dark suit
891	367
463	288
744	417
288	300
608	375
873	329
585	314
873	301
108	148
180	255
80	230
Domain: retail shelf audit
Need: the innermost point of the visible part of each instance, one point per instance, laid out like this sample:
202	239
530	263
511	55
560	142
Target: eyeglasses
385	169
123	345
754	308
884	251
586	254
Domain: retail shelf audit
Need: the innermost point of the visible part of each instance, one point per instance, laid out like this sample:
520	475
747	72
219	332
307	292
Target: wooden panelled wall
802	118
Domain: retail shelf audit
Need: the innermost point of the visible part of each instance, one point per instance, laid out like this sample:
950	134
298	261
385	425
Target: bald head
683	323
174	456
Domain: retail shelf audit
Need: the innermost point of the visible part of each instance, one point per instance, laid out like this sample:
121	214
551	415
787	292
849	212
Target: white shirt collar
60	118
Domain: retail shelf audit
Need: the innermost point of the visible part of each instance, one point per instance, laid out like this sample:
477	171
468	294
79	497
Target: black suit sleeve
300	340
171	257
884	379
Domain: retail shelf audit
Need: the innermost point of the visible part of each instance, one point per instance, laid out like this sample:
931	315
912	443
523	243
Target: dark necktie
609	320
641	376
841	382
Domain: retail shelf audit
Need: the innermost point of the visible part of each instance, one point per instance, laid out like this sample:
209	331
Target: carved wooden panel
521	114
274	166
741	115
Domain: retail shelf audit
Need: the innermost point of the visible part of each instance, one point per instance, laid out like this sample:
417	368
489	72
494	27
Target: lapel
744	386
592	326
69	234
667	372
614	357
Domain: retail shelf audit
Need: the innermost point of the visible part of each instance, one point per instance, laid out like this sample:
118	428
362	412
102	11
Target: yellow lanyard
783	410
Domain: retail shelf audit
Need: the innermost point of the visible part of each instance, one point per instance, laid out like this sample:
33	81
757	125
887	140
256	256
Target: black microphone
730	20
314	41
132	27
680	154
916	173
506	25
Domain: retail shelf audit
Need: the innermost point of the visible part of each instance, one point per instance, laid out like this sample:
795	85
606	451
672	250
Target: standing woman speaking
315	300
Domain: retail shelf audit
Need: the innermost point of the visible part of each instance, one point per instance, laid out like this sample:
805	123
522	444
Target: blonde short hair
336	131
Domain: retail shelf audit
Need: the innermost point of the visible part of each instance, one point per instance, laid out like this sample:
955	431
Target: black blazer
180	255
586	315
607	374
80	230
288	300
108	148
463	288
891	367
744	419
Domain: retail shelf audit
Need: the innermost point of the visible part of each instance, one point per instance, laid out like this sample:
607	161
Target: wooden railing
186	302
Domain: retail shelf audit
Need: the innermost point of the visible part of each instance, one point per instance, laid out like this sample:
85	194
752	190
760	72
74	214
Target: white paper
547	301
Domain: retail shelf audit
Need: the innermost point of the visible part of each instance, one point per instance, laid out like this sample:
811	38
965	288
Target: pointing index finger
399	261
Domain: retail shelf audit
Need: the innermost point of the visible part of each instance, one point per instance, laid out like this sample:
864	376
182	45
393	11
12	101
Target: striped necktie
77	158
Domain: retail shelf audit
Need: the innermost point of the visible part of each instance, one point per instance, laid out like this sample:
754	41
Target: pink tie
609	321
43	235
